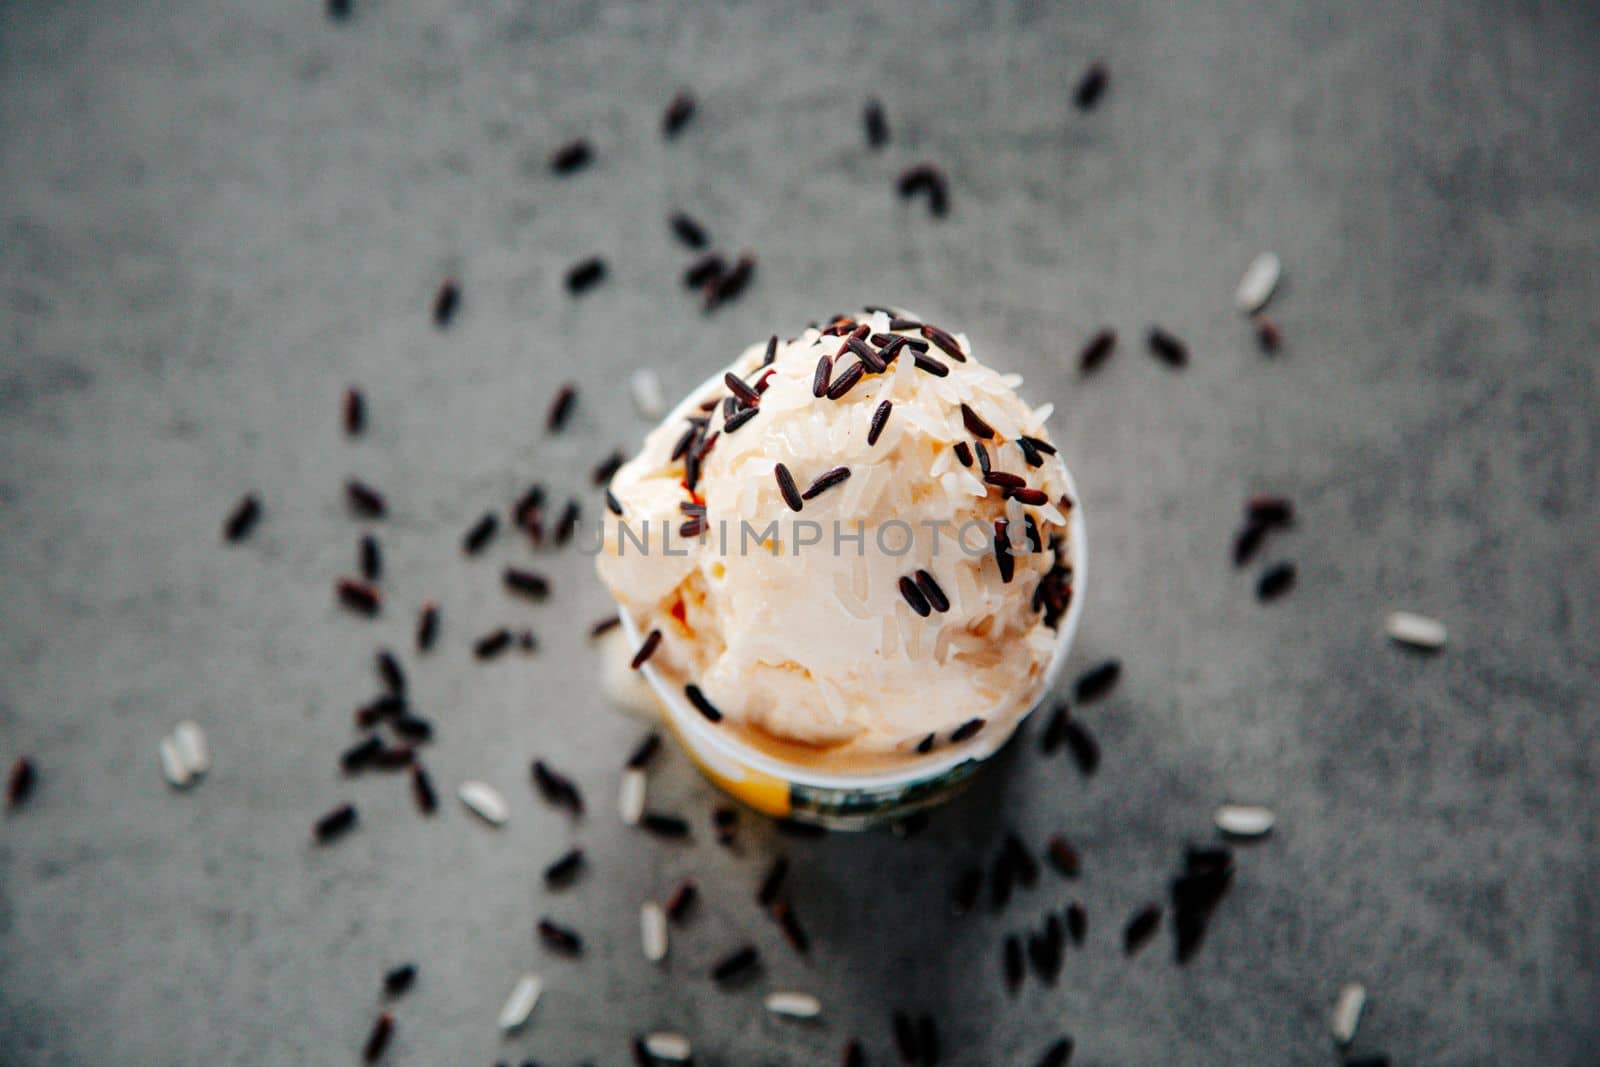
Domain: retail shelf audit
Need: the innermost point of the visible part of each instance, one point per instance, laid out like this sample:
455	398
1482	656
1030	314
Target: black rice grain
354	411
334	824
1167	348
965	893
1084	748
1022	862
732	284
1248	542
905	1038
385	706
1055	728
395	758
1063	857
585	275
914	597
681	901
741	390
399	979
819	380
1005	479
1000	881
947	344
1275	581
846	381
789	926
242	519
645	752
690	232
1015	968
724	823
733	425
557	788
1058	1054
929	180
876	124
1077	921
1097	681
378	1039
492	644
1141	926
564	871
736	964
528	583
647	648
365	500
422	790
359	596
20	782
571	156
390	673
701	703
1002	552
772	884
786	486
932	591
606	468
427	625
567	525
370	556
363	753
560	408
704	270
481	533
671	827
974	424
446	302
966	731
1096	351
825	481
1091	86
680	109
1268	337
558	938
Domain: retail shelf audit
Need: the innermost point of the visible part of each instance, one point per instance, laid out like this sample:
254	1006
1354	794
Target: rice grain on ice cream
814	643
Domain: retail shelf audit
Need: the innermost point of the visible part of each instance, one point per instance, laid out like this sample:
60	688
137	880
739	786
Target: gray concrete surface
215	215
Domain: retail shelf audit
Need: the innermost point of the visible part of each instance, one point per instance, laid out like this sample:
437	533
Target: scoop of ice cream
853	540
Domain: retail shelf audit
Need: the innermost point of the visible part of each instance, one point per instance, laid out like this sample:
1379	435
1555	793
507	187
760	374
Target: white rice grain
1346	1014
645	386
674	1048
653	931
172	765
1260	279
794	1005
192	747
847	598
485	802
1418	631
1244	820
520	1004
631	795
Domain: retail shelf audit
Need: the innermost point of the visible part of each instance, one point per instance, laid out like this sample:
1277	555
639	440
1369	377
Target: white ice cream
817	643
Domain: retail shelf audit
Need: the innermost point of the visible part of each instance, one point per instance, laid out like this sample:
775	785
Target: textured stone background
215	215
